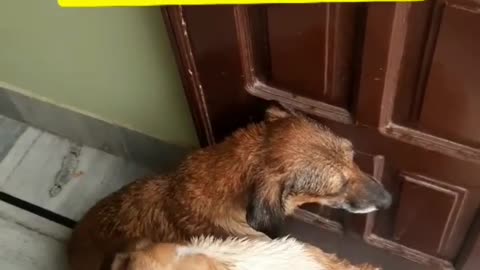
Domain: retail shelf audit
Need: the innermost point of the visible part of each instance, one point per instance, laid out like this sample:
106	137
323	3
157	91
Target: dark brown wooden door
402	81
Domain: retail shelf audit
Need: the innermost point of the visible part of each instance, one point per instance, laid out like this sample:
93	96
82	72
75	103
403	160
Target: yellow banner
139	3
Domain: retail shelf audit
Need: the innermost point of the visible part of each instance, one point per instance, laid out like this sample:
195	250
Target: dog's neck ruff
249	254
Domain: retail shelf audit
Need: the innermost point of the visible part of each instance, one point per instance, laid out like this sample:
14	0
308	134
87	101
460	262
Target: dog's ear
121	261
265	212
276	112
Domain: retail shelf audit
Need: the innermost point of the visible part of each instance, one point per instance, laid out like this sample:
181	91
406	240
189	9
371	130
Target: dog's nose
385	201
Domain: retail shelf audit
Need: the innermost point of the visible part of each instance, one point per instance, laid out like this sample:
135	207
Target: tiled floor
55	174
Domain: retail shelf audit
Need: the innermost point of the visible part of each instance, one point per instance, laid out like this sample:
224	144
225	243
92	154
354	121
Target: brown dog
244	186
231	254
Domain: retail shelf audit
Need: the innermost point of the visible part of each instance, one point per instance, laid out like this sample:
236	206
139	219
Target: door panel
429	227
302	55
450	105
417	103
396	79
317	63
436	97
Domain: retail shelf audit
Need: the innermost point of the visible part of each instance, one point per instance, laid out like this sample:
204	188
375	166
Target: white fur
366	210
254	254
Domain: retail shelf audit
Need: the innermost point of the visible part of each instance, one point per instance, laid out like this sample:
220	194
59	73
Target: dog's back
114	221
147	208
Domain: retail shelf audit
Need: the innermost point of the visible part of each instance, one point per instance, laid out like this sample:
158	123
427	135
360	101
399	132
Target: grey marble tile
17	153
93	132
32	222
26	242
10	130
104	136
49	117
147	150
44	172
7	107
33	176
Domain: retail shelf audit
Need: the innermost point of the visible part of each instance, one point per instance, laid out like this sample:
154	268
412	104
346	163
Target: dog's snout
385	201
380	197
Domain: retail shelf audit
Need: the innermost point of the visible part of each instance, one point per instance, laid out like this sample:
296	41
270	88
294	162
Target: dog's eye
342	189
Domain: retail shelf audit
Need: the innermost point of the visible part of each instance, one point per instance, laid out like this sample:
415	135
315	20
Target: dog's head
304	162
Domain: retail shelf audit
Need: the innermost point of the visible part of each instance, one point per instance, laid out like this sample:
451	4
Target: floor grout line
37	210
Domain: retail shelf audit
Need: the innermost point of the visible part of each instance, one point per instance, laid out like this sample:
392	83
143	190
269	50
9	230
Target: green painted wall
115	64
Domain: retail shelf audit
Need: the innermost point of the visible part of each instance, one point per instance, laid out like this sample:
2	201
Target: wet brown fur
243	186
